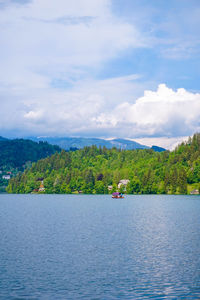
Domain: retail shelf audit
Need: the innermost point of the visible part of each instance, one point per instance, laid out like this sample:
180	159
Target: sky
100	68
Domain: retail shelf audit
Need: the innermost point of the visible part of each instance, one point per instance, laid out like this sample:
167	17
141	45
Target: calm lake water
95	247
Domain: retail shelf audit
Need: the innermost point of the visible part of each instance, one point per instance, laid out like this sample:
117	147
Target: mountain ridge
80	142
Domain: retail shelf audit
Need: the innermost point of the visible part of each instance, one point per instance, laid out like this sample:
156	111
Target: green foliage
19	153
92	170
133	186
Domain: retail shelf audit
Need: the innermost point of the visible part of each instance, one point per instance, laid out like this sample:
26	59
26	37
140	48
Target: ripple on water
93	247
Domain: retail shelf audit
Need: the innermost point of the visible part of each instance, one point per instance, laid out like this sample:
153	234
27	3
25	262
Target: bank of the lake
95	247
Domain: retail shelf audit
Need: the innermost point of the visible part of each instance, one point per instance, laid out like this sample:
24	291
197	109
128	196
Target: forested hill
16	153
92	170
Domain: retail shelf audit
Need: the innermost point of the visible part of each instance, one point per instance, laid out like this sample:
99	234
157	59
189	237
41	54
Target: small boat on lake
117	195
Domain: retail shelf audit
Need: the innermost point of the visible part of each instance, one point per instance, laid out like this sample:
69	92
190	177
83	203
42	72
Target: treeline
92	170
15	154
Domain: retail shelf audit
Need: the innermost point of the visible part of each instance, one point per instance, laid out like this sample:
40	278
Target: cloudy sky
100	68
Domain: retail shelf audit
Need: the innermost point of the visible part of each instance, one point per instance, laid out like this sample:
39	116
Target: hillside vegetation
16	153
92	170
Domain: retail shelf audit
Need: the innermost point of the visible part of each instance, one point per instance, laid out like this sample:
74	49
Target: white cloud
161	113
99	110
51	52
165	142
55	38
66	112
47	42
33	115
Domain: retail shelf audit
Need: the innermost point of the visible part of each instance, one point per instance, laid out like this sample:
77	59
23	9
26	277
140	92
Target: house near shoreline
110	187
123	182
7	177
41	188
194	192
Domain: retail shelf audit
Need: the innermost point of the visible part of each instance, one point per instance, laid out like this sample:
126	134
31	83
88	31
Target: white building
6	177
194	192
123	182
41	188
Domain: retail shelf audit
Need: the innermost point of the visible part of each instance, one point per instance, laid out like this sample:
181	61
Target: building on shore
7	177
123	182
110	187
194	192
41	188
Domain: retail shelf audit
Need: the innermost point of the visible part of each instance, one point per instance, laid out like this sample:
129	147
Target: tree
133	186
99	187
182	181
166	181
173	180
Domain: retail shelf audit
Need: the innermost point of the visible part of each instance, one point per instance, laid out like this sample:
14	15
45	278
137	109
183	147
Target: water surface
95	247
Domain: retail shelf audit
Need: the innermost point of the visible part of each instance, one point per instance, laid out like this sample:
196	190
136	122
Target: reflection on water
95	247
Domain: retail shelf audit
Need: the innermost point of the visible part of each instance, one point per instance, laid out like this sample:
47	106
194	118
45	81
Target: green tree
99	187
133	187
182	181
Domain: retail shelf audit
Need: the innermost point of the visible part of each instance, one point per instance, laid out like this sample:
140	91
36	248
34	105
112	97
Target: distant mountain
127	144
158	149
68	143
3	139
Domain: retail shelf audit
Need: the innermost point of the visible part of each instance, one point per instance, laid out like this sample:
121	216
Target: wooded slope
92	170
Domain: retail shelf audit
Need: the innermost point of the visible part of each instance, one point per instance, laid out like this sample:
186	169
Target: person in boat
117	195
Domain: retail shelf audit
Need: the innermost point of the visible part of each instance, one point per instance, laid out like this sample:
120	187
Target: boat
117	195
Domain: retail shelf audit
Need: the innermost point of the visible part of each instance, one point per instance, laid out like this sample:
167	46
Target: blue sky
100	68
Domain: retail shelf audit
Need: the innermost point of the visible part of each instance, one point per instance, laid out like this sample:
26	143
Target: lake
96	247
